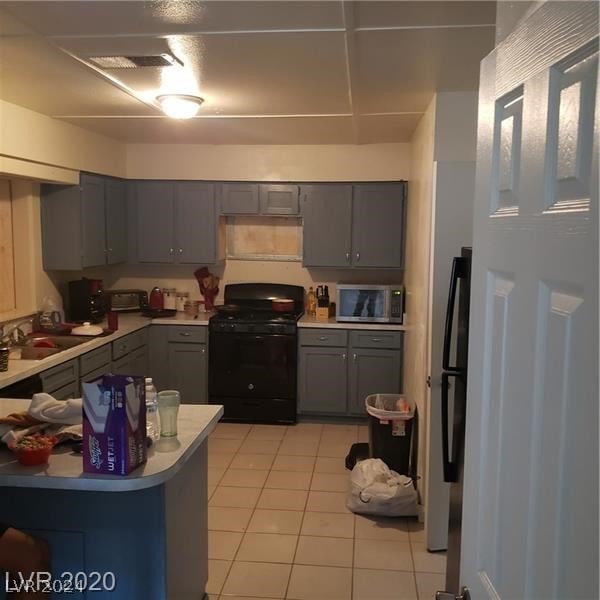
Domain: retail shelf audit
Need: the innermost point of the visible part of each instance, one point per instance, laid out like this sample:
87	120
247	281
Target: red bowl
34	456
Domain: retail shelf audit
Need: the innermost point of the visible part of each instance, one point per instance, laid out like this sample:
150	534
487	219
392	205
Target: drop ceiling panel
391	64
83	18
330	130
248	74
423	13
40	77
386	128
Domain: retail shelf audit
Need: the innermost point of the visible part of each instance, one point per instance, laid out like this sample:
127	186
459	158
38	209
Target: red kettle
156	300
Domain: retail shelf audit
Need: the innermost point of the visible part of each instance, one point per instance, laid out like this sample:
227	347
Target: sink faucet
6	335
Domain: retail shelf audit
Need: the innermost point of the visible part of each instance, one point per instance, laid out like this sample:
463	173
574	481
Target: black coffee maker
86	302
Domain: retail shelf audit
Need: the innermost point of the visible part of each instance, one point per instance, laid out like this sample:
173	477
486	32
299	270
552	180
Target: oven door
248	365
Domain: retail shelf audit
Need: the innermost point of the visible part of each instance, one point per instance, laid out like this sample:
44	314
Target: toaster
125	300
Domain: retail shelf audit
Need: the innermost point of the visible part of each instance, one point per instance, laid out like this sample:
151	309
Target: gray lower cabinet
188	371
130	354
62	381
352	225
338	369
174	222
179	360
94	215
372	371
322	380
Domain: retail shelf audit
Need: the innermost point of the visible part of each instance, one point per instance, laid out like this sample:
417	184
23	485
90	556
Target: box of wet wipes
114	424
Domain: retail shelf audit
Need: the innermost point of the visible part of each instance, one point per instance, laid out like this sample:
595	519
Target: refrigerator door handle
449	463
458	272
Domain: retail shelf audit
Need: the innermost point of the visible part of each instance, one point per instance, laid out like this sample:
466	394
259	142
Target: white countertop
331	323
65	468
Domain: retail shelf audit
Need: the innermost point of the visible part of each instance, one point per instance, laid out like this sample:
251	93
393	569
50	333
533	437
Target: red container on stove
156	299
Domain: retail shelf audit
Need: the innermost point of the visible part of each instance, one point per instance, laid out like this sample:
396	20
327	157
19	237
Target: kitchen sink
39	346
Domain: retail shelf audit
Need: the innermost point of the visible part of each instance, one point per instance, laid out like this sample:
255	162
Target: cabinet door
195	223
239	198
60	213
378	225
154	208
327	212
93	228
188	371
139	361
116	221
372	372
158	366
322	378
277	199
124	365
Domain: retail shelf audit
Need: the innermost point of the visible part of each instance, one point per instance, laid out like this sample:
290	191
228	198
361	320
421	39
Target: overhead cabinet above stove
354	225
269	199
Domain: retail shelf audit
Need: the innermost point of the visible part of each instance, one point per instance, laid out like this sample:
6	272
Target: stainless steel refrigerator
454	404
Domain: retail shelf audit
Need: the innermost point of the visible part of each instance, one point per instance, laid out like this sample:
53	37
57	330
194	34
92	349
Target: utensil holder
4	358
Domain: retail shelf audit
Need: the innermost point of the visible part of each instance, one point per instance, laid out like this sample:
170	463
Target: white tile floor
279	526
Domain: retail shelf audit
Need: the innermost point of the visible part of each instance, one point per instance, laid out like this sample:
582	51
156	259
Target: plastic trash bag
377	490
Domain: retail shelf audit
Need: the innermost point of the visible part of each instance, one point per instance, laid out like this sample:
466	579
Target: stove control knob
250	386
232	327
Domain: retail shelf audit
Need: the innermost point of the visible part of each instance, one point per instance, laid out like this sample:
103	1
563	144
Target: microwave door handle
458	272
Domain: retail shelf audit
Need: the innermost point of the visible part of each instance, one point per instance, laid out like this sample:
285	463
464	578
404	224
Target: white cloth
64	412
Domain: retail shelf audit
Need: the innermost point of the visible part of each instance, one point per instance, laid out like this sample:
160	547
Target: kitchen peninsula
149	528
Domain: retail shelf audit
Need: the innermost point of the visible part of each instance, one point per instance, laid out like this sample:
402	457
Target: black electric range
253	354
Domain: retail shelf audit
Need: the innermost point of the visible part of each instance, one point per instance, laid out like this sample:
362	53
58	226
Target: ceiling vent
135	62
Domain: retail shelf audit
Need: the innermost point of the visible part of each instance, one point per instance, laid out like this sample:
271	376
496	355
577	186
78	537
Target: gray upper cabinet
196	223
154	221
116	221
92	214
378	225
239	198
174	222
359	226
327	212
278	199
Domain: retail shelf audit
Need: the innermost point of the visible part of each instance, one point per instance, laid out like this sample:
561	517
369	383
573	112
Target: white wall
369	162
36	146
416	277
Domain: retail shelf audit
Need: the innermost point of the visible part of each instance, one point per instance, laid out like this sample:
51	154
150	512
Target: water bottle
152	424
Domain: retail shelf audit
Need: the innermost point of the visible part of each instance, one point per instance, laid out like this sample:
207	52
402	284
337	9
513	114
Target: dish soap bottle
311	309
152	424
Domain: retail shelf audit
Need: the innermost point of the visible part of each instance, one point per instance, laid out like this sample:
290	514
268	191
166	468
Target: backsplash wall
233	271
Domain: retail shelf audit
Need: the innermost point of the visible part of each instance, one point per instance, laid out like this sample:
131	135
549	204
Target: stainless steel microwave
370	303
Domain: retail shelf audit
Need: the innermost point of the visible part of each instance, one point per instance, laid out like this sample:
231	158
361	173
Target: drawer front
323	337
191	334
376	339
67	392
94	360
96	374
129	342
60	376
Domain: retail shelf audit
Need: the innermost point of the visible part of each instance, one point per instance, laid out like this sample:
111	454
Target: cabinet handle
110	249
376	339
354	356
185	333
343	355
357	256
203	350
180	250
323	338
171	250
347	257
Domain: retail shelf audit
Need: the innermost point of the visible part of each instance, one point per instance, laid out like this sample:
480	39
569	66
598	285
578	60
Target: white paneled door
530	512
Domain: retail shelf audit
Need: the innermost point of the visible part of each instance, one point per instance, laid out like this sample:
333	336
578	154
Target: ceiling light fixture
179	106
